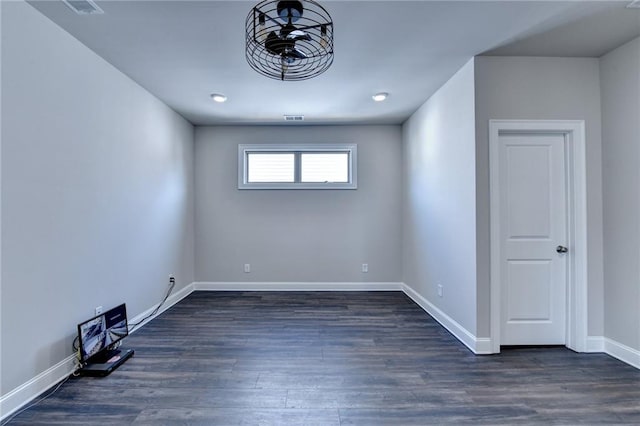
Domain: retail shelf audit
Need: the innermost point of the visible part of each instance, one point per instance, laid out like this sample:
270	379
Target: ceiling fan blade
274	44
298	35
294	53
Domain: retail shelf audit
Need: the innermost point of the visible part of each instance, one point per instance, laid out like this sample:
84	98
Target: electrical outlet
439	290
365	267
247	268
98	310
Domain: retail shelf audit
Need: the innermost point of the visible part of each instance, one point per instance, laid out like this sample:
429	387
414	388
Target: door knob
562	249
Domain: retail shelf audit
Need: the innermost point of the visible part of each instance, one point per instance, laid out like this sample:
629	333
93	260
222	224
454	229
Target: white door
533	238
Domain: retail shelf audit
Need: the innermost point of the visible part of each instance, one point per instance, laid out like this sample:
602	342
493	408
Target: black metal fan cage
314	21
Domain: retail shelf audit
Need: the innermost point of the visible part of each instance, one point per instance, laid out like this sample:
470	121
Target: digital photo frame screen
101	332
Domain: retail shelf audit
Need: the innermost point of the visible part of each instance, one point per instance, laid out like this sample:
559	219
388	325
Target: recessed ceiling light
379	97
218	97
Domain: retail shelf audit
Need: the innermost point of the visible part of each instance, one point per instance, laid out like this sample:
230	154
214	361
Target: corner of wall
439	199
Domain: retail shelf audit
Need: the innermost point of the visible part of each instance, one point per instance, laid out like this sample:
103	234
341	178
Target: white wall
97	193
439	199
298	235
540	88
620	85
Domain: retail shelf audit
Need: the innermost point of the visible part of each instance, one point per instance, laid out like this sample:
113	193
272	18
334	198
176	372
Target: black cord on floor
172	284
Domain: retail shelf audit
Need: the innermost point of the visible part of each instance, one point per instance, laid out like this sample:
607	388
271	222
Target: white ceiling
182	51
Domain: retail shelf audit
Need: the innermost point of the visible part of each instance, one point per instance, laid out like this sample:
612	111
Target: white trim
577	279
478	346
622	352
171	300
296	286
484	346
595	344
25	393
28	391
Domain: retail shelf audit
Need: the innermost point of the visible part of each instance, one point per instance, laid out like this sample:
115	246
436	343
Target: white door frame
573	130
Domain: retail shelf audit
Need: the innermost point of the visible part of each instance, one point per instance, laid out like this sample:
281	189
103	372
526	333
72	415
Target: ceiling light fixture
218	97
379	97
83	7
289	40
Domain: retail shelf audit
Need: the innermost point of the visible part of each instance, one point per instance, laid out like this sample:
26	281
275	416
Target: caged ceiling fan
289	40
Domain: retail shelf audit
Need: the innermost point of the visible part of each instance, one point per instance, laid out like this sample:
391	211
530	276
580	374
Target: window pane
270	167
324	167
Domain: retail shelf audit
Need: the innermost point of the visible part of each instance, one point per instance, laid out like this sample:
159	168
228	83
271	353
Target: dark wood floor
330	358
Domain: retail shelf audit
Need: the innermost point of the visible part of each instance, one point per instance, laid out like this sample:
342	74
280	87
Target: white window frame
245	149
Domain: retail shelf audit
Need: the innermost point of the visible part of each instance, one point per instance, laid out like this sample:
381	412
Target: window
284	166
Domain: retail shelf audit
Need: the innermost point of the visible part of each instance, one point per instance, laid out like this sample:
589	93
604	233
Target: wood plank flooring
334	358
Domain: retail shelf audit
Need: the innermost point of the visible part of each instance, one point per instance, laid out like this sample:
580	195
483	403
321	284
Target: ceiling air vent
294	118
83	7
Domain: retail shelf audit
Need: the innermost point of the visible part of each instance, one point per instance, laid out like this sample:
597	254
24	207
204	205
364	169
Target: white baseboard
171	300
479	346
297	286
23	394
622	352
27	392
